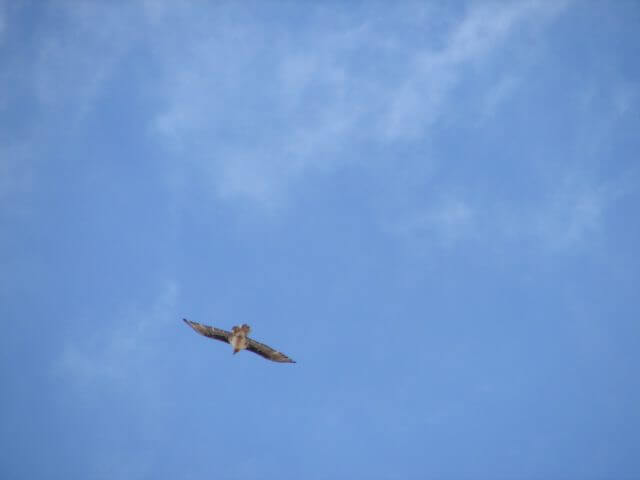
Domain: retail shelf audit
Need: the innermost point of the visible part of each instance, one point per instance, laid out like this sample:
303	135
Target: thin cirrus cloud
421	100
572	215
567	215
3	20
70	75
444	224
499	94
315	100
16	177
113	356
255	108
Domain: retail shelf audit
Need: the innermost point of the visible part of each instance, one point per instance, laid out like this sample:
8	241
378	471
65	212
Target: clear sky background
431	206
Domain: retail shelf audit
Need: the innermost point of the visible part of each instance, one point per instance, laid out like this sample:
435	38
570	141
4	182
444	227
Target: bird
239	340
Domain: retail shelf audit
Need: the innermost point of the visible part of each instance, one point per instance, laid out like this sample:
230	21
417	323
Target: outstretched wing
267	352
207	331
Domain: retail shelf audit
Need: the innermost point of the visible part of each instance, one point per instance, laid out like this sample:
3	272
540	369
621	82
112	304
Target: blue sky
431	206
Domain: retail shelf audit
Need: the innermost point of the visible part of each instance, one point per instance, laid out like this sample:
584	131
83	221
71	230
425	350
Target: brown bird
239	340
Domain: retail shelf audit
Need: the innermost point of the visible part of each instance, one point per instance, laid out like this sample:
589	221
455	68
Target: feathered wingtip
196	326
193	325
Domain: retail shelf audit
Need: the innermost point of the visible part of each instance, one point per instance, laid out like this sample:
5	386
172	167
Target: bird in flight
239	340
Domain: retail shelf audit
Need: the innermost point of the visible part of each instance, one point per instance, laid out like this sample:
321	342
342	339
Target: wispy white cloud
499	94
625	97
567	215
572	214
254	108
302	103
16	177
421	100
3	20
311	82
445	223
609	98
74	62
117	356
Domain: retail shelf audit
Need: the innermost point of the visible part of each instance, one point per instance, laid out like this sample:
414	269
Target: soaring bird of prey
239	340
